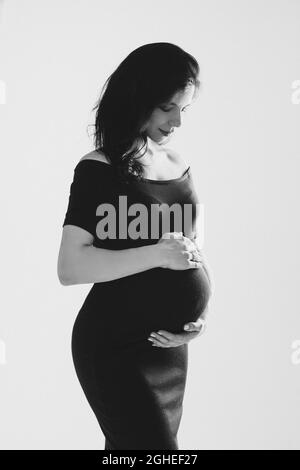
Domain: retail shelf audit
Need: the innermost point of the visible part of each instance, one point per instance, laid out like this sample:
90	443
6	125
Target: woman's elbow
64	279
64	276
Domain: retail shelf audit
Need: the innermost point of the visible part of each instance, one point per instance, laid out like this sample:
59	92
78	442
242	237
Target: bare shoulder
177	159
95	155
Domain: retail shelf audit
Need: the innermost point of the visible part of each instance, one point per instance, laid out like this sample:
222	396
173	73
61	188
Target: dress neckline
142	179
183	176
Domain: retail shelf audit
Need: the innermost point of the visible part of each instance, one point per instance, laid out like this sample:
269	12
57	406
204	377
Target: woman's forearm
91	264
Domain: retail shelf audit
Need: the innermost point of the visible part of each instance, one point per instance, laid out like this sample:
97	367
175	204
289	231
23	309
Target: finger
171	235
157	343
196	329
201	326
169	345
194	245
201	322
166	334
171	337
195	256
159	338
196	326
202	256
199	250
194	333
191	327
195	264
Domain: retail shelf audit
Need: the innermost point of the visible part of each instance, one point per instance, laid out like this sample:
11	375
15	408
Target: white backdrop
241	139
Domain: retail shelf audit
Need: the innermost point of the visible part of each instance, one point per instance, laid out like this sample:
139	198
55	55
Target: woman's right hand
178	252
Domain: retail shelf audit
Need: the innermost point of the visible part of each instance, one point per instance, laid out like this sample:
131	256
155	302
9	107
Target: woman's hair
146	78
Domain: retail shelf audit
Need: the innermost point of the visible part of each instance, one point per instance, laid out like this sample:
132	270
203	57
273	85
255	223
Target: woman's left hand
165	339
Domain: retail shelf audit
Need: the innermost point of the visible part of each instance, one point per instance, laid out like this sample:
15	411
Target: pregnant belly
162	298
126	310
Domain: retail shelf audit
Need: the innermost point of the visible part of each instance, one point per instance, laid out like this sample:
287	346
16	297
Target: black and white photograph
150	161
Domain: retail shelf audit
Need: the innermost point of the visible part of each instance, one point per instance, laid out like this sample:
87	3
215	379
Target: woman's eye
167	110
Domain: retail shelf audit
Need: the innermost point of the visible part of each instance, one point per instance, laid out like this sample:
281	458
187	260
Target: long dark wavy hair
146	78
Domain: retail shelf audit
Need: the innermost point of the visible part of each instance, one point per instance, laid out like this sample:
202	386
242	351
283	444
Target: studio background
241	138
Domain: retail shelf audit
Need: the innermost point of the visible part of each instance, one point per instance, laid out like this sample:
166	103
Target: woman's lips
165	133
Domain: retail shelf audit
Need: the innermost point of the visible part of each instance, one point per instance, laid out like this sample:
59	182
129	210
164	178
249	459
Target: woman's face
167	115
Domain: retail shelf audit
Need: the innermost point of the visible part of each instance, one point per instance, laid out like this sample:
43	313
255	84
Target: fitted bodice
100	204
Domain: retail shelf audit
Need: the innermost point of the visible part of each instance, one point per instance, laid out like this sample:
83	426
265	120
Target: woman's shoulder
93	165
92	169
95	155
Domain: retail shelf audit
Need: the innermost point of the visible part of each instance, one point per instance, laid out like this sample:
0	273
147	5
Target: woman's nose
176	120
176	123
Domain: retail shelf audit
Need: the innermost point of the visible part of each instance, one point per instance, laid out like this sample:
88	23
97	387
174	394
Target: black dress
135	390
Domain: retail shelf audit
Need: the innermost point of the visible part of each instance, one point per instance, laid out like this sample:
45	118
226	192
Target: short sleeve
90	187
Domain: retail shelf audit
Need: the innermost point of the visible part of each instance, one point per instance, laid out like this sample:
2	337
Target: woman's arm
89	264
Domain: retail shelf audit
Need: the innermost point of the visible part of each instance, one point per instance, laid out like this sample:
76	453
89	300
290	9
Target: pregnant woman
149	277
